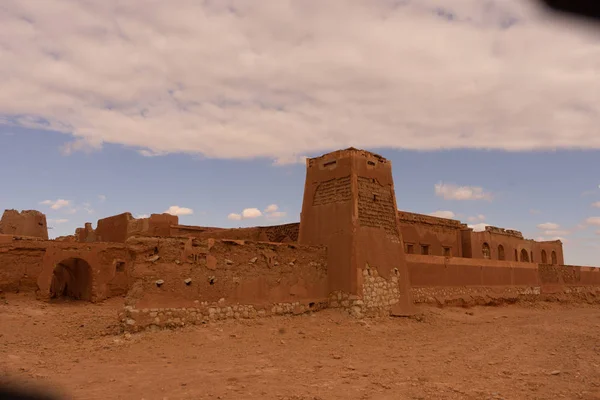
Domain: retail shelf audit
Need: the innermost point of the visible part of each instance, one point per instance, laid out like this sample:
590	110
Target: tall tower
349	206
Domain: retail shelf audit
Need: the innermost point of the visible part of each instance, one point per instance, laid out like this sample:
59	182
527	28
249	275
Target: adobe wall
515	247
287	233
461	281
20	263
436	233
25	223
114	228
118	228
221	279
29	265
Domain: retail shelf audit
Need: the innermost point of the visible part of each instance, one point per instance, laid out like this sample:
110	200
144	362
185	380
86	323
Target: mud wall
435	271
20	263
25	223
191	271
441	236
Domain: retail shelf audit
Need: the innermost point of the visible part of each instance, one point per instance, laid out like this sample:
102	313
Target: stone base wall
136	320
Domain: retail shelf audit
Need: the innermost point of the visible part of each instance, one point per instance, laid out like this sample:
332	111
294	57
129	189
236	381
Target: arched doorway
553	256
72	278
544	257
524	256
501	252
485	249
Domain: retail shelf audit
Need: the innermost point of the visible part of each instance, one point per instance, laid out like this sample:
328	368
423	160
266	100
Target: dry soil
525	351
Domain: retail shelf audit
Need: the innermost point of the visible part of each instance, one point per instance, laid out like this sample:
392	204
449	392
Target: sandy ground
535	351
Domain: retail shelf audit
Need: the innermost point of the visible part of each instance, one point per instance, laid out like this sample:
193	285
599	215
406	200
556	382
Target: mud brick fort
352	249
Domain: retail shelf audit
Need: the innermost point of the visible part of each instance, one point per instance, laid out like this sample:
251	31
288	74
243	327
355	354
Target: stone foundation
136	320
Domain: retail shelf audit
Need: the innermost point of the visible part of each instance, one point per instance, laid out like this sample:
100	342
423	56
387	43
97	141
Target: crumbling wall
178	272
44	266
25	223
20	263
287	233
190	280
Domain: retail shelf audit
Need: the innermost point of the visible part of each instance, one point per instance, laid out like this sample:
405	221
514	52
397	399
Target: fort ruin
352	249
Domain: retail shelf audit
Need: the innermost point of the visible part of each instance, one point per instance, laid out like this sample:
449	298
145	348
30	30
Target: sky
488	110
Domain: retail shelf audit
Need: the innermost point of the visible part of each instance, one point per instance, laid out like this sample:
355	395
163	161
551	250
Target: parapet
351	151
413	218
502	231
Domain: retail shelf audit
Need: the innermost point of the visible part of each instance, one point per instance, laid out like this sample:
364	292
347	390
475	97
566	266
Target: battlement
414	218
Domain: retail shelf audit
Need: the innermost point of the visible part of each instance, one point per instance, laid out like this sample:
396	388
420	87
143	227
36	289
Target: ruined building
352	249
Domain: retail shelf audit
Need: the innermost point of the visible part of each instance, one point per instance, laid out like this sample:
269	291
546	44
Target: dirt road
536	351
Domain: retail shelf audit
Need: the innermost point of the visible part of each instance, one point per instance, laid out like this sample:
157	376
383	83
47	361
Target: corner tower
349	206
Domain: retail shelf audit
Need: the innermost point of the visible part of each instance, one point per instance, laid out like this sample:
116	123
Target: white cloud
251	213
176	210
557	232
101	197
596	204
271	208
234	217
443	214
58	221
142	216
593	221
56	204
285	79
450	191
478	227
276	215
548	226
476	218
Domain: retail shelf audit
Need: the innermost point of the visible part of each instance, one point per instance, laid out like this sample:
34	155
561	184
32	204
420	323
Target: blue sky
207	109
526	189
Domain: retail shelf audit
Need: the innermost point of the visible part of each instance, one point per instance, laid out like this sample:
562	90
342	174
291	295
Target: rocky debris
212	279
556	372
154	258
253	260
188	281
228	262
159	282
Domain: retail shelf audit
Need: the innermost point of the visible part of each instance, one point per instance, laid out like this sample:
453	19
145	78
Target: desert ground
524	351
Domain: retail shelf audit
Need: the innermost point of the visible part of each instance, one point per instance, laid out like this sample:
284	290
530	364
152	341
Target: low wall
216	279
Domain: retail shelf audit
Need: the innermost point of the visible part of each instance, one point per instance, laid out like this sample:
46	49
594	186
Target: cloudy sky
487	109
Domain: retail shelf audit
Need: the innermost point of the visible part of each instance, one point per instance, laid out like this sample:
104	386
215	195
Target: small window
410	248
544	257
370	163
531	255
501	252
447	252
425	249
120	266
553	257
516	255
